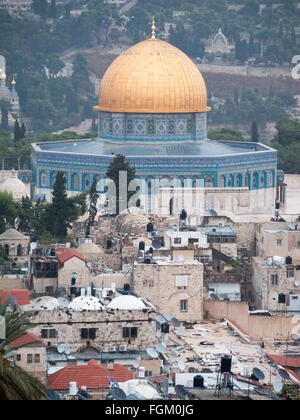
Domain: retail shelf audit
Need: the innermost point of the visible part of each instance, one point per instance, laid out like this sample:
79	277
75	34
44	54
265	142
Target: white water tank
270	261
141	372
73	388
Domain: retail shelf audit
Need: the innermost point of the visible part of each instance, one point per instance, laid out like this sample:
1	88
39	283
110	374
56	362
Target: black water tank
109	244
142	246
226	364
281	298
198	381
277	206
150	227
165	328
126	286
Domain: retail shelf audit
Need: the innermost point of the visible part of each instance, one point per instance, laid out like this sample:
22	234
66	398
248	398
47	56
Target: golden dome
153	77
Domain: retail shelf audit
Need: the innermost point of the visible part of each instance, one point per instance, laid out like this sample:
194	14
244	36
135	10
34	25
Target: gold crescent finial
13	80
153	28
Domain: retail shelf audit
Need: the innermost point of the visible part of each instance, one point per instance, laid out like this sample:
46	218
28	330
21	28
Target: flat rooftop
98	147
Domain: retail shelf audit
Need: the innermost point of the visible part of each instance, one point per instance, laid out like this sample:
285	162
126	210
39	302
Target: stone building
31	356
172	286
276	284
278	239
16	246
126	324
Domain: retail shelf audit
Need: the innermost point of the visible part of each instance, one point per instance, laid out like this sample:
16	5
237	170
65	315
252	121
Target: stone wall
261	328
108	324
11	284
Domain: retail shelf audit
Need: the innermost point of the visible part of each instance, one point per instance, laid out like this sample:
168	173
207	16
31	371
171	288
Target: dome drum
152	127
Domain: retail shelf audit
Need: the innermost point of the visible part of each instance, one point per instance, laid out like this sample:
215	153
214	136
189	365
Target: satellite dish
181	365
161	348
138	358
156	244
136	364
297	283
160	319
151	352
168	316
118	394
179	389
60	349
258	374
296	339
278	384
180	331
67	351
284	374
175	322
132	397
158	334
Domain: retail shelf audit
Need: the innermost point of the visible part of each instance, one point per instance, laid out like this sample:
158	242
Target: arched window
270	178
222	181
208	181
43	179
86	182
53	178
239	180
6	249
74	279
255	180
247	180
19	251
230	181
75	182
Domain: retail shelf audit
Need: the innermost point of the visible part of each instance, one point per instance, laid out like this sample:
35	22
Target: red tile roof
21	296
28	338
93	376
65	254
289	361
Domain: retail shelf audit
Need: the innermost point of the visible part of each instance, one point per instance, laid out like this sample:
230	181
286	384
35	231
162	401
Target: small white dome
15	187
127	302
89	303
47	303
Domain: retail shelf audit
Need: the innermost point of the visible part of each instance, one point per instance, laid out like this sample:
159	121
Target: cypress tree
93	198
17	132
254	132
59	212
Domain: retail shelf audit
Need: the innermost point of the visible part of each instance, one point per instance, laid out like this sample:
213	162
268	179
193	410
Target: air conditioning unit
113	348
123	347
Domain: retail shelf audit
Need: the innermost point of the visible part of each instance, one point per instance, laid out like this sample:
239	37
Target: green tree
52	9
288	131
59	211
17	132
8	211
16	383
5	107
254	132
117	165
92	198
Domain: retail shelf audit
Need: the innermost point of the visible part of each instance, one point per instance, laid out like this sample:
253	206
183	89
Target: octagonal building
152	109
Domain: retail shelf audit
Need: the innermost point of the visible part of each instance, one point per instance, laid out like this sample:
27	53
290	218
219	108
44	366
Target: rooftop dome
16	187
47	303
153	77
88	248
89	303
132	221
127	302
